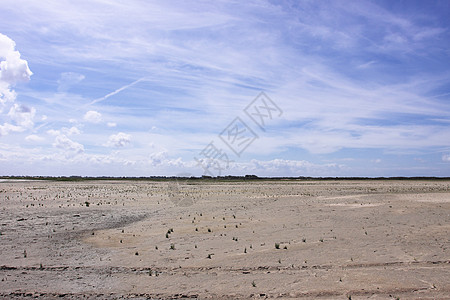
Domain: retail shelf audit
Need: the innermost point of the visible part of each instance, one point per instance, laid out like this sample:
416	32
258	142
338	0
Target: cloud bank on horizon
142	88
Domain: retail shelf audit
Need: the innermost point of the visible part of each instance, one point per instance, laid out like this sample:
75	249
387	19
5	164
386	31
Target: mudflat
285	239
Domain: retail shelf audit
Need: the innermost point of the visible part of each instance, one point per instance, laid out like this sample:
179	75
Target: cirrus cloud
68	79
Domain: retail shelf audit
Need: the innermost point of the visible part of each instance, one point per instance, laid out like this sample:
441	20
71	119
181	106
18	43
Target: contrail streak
116	91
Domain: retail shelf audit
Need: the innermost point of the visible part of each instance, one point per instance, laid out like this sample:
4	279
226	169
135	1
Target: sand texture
367	239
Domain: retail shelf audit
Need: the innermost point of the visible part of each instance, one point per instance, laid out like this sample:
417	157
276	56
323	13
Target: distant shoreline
206	178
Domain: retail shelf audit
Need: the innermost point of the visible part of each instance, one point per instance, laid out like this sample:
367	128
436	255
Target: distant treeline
210	178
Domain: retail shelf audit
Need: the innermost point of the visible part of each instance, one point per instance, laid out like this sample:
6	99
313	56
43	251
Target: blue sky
141	88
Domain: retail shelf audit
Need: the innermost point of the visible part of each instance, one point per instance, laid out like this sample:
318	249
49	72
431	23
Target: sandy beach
360	239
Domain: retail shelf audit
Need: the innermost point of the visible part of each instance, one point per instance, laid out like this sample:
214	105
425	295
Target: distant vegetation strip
209	178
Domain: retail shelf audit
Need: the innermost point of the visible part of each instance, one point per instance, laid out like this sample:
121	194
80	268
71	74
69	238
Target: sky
271	88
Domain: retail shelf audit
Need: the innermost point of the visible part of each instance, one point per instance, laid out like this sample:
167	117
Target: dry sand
159	240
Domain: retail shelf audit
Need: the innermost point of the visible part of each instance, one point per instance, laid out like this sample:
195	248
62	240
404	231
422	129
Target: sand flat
365	239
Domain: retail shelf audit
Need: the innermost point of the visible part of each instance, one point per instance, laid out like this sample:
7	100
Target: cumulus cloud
22	115
13	69
66	131
290	167
446	157
118	140
111	124
34	138
68	79
70	147
93	116
53	132
6	95
158	158
70	131
7	128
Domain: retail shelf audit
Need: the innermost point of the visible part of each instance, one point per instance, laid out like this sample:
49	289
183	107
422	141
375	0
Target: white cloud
70	147
6	95
93	116
64	131
53	132
446	157
118	140
68	79
34	138
22	115
7	128
190	92
283	167
13	69
158	158
71	131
